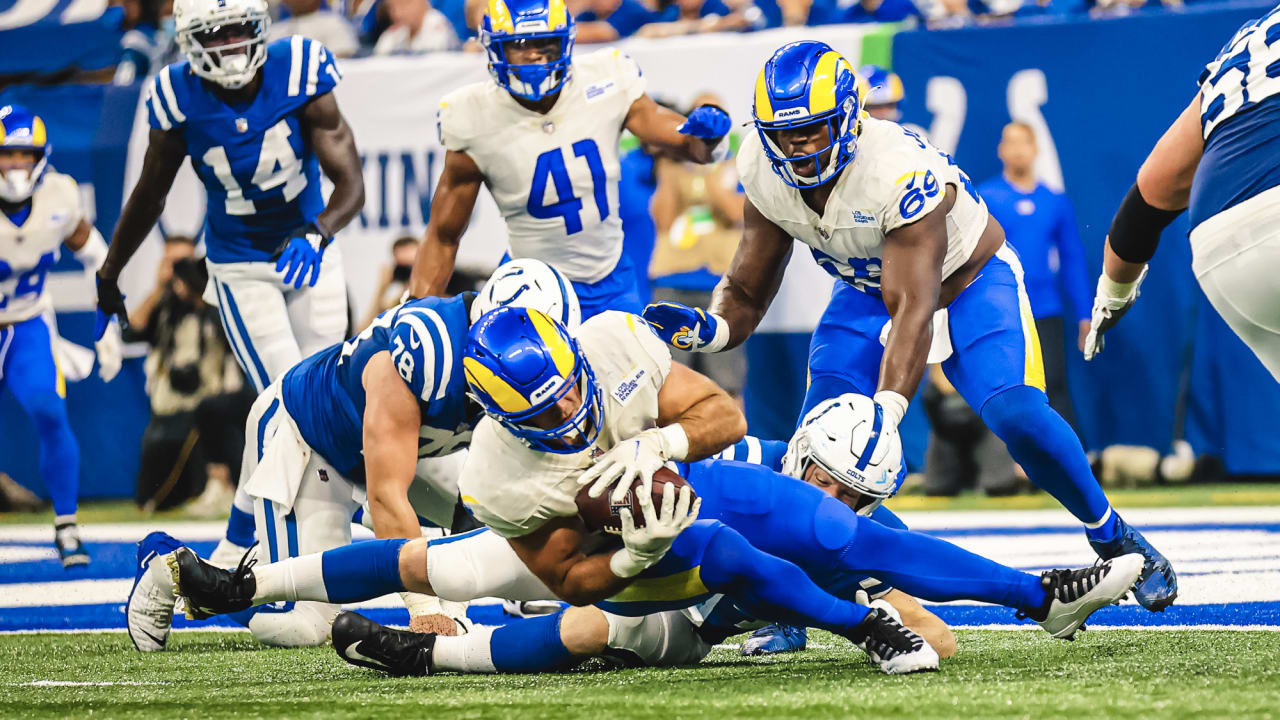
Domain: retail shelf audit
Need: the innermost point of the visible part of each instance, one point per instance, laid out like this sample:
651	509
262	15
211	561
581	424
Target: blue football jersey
752	449
260	174
325	396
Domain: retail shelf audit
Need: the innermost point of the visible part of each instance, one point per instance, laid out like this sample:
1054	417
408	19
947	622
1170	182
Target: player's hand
301	254
688	328
644	546
110	355
110	304
710	124
1107	311
635	459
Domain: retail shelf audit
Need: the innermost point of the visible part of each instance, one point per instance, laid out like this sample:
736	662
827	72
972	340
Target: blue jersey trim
1241	159
270	522
262	425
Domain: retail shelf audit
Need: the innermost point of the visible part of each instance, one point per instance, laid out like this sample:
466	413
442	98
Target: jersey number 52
551	166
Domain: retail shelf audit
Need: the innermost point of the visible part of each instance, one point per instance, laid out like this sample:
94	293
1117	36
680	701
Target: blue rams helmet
880	87
22	130
520	362
802	84
518	20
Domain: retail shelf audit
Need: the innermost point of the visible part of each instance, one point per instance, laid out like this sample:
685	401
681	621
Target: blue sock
1107	529
362	570
771	588
530	645
1048	449
240	528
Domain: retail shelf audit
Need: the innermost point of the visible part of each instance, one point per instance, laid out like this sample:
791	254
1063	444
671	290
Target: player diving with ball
918	261
598	412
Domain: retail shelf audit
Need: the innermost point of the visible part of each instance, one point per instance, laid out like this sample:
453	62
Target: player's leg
1241	288
616	291
845	351
318	315
28	367
997	368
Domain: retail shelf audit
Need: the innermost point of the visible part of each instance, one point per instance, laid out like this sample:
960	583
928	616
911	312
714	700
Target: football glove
710	124
301	254
110	304
635	459
1108	307
644	546
688	328
110	354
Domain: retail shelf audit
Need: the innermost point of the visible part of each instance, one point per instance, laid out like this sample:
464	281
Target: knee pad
480	564
307	624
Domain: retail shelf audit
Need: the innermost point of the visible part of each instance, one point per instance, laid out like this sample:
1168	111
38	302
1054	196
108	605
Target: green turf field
1106	673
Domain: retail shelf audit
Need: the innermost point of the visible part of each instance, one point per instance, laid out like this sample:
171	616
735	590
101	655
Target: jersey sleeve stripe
170	99
313	65
295	65
429	369
446	356
754	452
153	102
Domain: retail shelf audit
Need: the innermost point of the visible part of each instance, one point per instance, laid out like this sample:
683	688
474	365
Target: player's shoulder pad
753	167
303	67
616	331
422	349
64	193
168	96
903	177
609	66
463	114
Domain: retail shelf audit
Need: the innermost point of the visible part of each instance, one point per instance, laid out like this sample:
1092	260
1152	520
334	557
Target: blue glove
110	304
301	254
687	328
707	122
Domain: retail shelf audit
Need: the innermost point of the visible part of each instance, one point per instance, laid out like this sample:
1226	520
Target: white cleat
149	612
897	649
1073	595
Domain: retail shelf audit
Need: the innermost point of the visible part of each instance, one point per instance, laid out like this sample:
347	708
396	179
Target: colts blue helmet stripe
246	340
270	514
865	456
262	425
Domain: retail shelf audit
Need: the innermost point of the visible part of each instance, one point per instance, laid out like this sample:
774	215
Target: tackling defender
543	137
259	122
39	213
1219	158
920	262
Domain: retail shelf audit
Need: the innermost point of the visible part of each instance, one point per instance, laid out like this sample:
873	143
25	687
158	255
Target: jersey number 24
551	166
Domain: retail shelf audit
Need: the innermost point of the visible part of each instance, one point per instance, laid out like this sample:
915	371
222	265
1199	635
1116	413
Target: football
600	514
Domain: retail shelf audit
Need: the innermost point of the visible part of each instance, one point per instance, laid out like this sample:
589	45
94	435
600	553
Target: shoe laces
1071	585
888	638
247	561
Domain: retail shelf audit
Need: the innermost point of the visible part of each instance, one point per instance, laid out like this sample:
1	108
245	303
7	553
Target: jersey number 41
551	166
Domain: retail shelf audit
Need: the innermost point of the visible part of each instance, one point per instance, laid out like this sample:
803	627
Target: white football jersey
28	251
1241	76
553	176
895	178
513	488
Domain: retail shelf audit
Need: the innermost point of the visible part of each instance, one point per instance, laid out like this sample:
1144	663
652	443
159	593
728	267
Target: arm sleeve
1073	273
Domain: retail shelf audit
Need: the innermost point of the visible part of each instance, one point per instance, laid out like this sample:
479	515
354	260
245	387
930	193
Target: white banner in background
390	104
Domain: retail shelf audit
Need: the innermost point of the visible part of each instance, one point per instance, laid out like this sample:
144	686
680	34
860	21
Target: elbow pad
94	251
1136	229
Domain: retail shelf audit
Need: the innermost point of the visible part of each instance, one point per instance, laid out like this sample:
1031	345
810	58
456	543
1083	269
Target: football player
358	420
543	137
1219	159
905	233
259	122
605	409
40	213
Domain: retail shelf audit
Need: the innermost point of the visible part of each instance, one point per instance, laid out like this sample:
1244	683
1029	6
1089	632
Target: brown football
601	514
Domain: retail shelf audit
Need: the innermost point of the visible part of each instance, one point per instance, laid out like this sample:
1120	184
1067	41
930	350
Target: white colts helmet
529	283
845	437
232	65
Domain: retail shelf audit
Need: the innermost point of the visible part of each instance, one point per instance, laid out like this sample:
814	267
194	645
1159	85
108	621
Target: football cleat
66	537
208	589
894	647
363	642
149	612
1072	595
772	639
1157	585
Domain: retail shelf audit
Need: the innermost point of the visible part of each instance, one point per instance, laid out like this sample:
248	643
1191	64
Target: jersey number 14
551	166
278	165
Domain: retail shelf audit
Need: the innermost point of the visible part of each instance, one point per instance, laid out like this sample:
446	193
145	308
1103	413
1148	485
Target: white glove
862	598
109	352
1111	302
637	458
642	547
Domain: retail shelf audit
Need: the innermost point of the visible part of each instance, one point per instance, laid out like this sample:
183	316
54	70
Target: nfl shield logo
242	125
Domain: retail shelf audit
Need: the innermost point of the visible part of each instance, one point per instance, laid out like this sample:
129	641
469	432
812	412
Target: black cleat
363	642
1072	595
208	589
894	647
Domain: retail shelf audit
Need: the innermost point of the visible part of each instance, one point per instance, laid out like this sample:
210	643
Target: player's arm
391	421
709	418
699	138
335	149
740	299
911	278
451	206
553	552
1161	193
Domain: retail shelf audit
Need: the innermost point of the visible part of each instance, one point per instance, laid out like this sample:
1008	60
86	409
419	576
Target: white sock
465	653
300	578
1106	518
64	519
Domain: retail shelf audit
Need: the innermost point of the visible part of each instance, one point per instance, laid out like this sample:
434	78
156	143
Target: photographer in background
192	376
395	277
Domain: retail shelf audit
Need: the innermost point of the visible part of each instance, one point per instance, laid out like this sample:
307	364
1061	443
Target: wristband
676	440
721	337
894	404
1113	290
624	564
